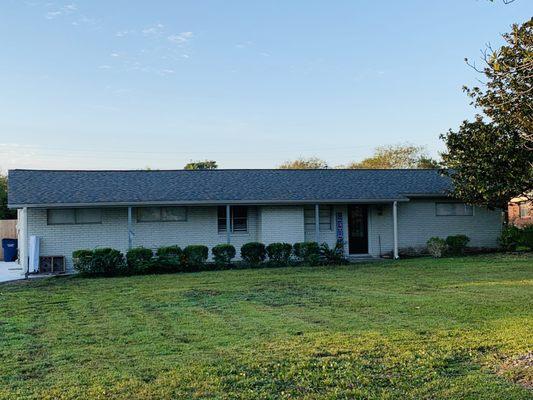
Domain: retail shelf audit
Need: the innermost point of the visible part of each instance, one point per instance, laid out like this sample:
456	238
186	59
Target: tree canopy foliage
396	156
507	96
5	213
488	162
305	163
491	160
205	164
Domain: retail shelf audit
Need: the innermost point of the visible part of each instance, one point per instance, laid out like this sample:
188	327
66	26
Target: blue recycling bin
10	249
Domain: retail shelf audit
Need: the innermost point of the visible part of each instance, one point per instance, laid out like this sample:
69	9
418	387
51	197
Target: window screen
148	214
61	217
75	216
452	209
173	214
325	213
88	216
157	214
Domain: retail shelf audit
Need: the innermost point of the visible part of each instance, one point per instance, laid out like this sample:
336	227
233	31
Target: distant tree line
384	157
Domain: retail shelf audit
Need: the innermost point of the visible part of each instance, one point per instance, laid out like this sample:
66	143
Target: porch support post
130	229
395	228
23	239
317	223
228	224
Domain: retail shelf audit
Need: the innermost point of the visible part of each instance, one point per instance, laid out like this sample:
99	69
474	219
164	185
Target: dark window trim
75	217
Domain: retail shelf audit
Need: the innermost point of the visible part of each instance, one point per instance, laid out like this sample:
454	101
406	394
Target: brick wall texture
417	222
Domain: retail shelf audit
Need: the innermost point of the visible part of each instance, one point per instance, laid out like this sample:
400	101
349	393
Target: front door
358	229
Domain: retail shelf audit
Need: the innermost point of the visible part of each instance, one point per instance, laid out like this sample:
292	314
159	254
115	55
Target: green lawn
412	329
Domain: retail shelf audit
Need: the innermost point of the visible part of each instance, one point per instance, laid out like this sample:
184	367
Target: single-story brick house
520	211
372	211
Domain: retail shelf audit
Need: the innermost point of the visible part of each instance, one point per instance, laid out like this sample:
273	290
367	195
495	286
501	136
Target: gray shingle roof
38	187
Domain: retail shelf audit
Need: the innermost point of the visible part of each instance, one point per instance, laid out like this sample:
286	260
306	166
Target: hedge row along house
374	212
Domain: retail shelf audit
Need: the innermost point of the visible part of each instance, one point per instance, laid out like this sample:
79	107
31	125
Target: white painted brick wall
417	222
200	228
281	224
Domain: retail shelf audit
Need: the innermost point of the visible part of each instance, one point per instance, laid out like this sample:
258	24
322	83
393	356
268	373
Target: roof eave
204	203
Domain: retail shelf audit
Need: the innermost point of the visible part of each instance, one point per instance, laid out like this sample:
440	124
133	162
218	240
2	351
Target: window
453	209
325	213
239	218
161	214
524	210
74	216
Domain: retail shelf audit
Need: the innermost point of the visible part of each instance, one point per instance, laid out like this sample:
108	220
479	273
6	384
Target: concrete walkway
10	271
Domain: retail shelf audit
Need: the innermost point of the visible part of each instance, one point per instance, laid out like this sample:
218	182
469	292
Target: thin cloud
154	30
180	38
52	14
61	11
124	33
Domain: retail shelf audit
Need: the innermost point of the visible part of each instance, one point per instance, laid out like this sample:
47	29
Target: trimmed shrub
108	261
194	257
81	259
279	253
253	253
307	252
333	255
514	238
168	259
457	244
436	247
223	254
140	260
99	262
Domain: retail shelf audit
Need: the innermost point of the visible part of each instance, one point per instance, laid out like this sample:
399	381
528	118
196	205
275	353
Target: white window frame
309	220
523	207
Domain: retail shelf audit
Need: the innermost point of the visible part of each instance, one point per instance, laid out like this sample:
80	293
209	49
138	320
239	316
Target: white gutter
395	228
206	203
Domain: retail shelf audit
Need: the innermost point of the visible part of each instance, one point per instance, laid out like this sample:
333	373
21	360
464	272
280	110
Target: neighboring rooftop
48	188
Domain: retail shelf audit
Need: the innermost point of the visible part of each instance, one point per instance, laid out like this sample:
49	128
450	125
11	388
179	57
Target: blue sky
122	84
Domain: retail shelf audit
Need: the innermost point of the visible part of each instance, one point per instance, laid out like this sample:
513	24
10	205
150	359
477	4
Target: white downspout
228	224
317	223
395	228
23	239
130	229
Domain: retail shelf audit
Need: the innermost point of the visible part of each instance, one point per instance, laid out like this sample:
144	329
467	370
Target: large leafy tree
507	95
206	164
305	163
488	163
5	213
490	160
396	156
